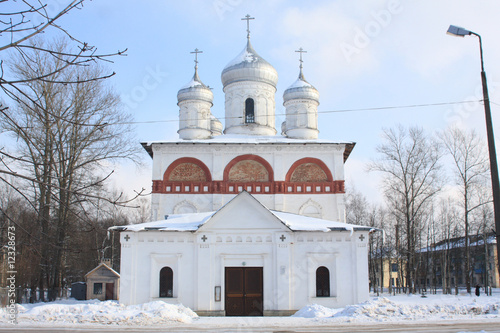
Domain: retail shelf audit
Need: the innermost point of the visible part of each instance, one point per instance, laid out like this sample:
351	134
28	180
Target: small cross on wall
127	237
362	237
204	238
282	238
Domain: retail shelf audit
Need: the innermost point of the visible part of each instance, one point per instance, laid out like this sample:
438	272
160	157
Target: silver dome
195	89
301	89
249	66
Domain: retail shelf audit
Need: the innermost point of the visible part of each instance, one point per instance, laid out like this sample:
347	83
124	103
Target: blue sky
360	54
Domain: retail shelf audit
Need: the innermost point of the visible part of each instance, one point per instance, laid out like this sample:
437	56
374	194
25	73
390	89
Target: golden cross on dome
248	18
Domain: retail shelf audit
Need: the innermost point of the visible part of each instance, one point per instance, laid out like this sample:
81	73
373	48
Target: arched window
166	282
249	111
322	282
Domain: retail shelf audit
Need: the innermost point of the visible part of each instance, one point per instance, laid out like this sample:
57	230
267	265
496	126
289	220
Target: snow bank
108	312
408	308
392	309
315	311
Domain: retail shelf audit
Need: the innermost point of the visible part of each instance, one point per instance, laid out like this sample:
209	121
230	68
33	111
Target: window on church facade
166	282
322	282
249	111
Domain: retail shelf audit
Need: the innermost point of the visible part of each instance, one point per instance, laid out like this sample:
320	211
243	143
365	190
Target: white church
248	222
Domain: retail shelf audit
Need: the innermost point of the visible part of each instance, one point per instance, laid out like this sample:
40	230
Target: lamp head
457	31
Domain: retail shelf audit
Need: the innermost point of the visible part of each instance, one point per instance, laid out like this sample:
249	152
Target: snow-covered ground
385	308
414	307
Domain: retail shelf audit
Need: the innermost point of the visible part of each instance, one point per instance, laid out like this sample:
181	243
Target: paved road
480	326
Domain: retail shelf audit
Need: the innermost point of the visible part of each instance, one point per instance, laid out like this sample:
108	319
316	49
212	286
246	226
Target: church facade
247	222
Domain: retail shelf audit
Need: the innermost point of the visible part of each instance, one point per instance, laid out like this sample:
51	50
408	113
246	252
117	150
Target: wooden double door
244	291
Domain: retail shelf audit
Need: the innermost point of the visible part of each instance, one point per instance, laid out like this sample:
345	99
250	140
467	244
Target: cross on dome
196	51
248	18
300	51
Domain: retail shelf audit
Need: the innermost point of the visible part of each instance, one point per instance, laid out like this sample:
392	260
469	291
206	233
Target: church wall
289	261
336	251
216	158
143	256
325	204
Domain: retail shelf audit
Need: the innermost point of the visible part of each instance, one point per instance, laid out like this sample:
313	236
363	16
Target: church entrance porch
244	291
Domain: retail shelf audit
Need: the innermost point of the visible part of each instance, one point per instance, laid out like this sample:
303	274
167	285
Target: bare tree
20	23
68	133
357	207
410	164
484	222
471	170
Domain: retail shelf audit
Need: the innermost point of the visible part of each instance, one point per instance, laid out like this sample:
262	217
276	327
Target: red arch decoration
226	187
182	160
250	157
316	161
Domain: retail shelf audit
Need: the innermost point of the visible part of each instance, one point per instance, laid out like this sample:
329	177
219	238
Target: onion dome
195	90
301	102
301	89
249	66
194	101
215	126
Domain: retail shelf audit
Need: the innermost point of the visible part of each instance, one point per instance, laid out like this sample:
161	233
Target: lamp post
461	32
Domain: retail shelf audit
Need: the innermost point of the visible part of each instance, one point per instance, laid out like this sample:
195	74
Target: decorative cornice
225	187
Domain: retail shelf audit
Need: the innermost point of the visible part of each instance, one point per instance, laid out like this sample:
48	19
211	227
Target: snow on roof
191	222
255	139
244	56
457	243
306	223
105	266
250	139
191	84
247	56
177	222
299	83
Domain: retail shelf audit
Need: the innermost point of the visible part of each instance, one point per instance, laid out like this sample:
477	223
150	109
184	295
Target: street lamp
461	32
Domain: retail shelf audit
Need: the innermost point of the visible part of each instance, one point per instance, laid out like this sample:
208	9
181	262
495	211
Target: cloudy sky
369	59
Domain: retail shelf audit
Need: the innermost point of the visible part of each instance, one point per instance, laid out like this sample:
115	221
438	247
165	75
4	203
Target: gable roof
235	208
105	266
194	221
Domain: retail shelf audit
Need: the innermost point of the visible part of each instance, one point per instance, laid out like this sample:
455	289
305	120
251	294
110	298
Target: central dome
249	66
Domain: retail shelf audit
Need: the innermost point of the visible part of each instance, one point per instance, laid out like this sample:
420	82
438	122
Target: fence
27	295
